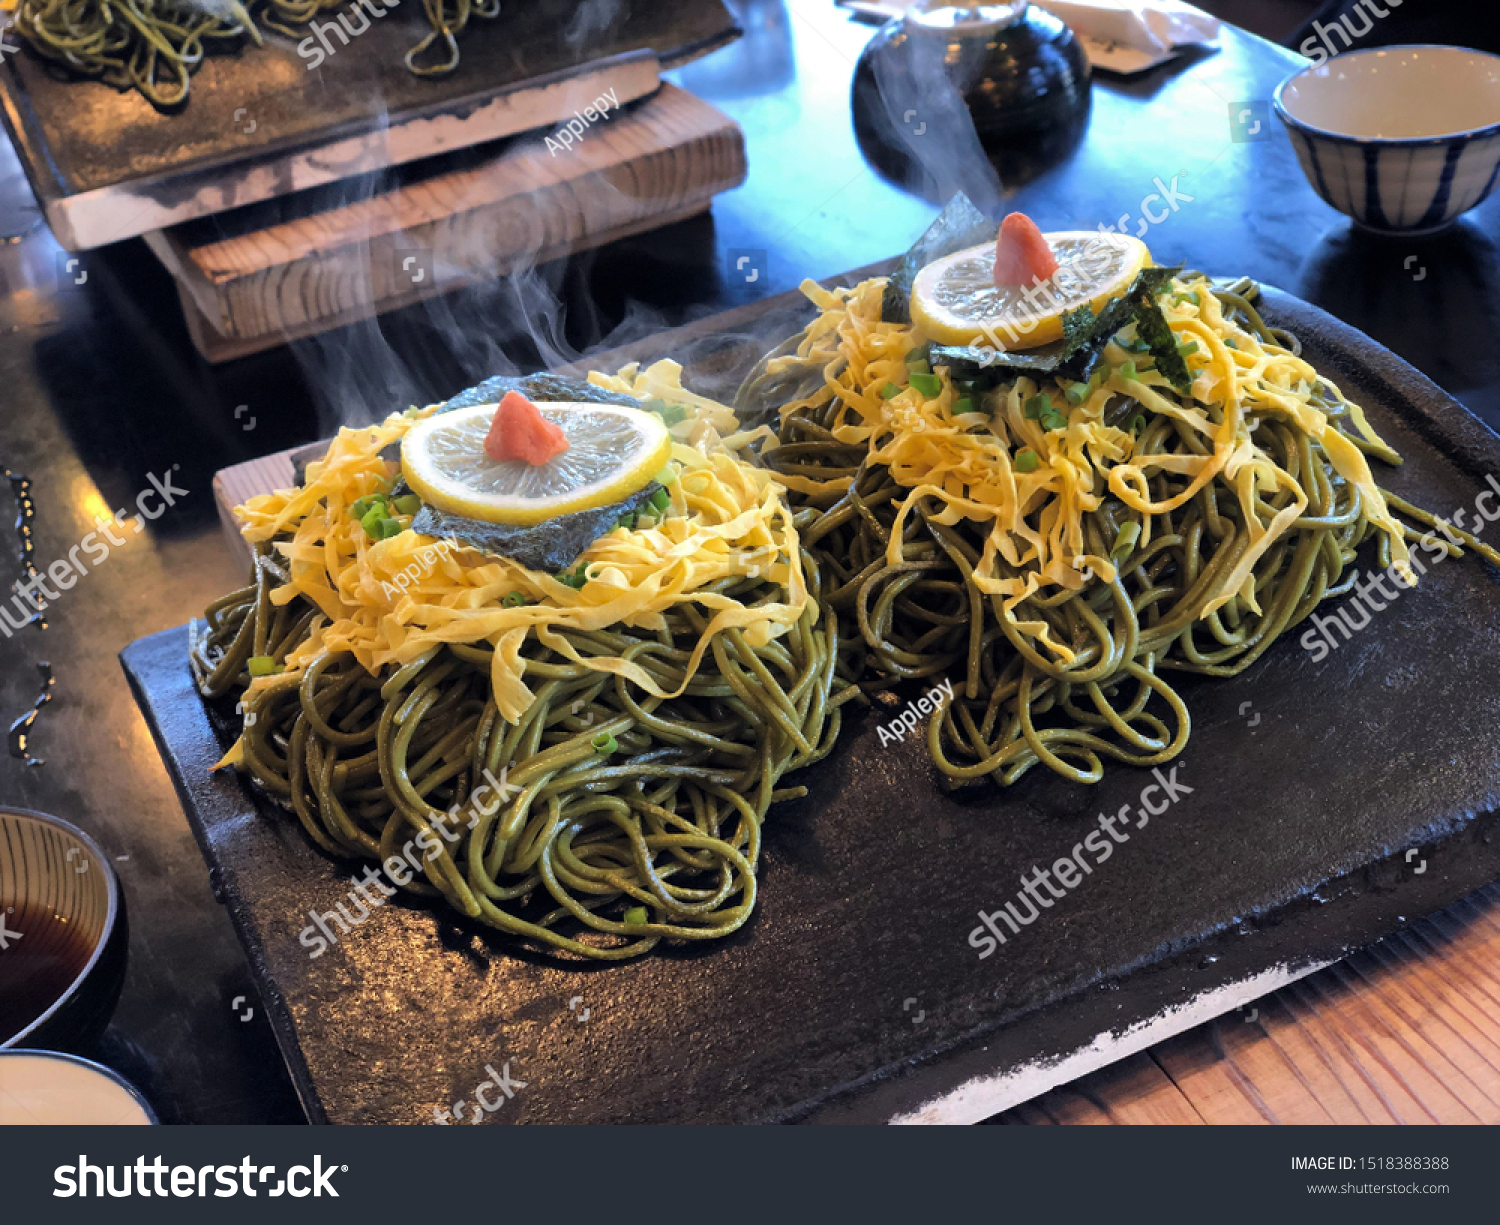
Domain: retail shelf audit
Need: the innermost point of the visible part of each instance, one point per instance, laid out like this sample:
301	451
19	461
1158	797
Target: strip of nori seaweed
1084	337
549	547
959	225
542	387
1152	327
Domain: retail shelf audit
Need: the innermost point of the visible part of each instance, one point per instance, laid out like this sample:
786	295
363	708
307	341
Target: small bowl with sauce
63	934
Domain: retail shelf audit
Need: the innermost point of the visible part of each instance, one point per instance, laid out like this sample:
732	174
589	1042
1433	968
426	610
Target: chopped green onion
408	504
605	743
1035	407
920	366
261	665
889	390
670	413
1194	298
1127	371
636	916
1229	344
512	599
1027	461
919	357
372	519
363	506
1079	392
387	528
659	501
1187	346
928	384
1125	542
962	405
1053	420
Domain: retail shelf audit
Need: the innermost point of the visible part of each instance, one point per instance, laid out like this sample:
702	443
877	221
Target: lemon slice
612	452
955	300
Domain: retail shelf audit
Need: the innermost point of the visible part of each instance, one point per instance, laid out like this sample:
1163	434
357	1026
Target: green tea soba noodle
1061	549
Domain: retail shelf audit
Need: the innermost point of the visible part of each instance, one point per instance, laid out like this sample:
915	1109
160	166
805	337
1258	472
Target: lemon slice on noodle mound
955	300
612	452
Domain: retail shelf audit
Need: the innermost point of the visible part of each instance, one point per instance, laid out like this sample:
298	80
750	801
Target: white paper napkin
1133	35
1119	35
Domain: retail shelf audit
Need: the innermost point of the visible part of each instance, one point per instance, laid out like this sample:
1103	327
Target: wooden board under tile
262	277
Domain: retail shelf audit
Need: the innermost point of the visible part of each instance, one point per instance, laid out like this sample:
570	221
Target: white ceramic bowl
1402	139
48	1088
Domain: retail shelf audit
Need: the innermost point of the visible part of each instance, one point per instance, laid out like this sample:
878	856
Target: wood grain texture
86	219
1406	1031
267	283
237	485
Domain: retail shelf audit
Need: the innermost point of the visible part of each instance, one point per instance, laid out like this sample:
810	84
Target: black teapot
945	84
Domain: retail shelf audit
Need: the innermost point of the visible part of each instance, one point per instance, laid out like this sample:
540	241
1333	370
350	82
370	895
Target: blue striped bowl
1402	139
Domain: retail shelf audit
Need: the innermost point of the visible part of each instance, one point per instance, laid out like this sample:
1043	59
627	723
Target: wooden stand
269	121
264	284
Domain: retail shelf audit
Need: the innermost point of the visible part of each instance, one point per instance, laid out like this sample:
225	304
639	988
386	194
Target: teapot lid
962	19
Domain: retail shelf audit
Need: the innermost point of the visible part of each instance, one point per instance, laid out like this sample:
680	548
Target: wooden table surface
1406	1031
